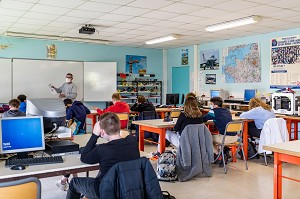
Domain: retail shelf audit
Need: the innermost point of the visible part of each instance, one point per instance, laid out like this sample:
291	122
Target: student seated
220	116
22	99
142	105
108	154
191	115
13	111
117	107
75	110
260	112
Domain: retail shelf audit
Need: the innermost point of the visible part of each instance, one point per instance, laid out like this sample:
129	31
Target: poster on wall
210	79
209	59
136	64
285	62
184	56
51	51
241	64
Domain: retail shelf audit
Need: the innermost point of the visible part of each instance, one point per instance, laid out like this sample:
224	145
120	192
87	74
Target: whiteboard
5	81
100	80
32	77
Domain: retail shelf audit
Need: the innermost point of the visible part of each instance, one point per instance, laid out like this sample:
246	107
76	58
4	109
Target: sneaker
63	187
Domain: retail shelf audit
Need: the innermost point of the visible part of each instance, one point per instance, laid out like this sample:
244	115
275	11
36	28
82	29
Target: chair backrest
28	188
234	127
175	113
124	117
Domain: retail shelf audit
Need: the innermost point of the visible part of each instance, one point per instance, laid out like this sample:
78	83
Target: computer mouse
18	167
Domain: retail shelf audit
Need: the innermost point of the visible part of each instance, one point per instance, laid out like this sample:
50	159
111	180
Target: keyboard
33	161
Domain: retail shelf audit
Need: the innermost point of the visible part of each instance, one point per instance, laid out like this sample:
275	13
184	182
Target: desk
283	152
93	117
162	111
155	126
71	164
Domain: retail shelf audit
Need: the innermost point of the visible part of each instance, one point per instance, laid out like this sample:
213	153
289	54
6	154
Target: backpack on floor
166	168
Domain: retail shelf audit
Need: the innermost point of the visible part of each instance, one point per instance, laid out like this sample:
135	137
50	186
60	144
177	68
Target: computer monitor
248	94
53	111
172	99
214	93
21	135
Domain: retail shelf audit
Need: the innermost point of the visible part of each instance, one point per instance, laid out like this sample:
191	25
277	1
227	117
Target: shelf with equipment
130	90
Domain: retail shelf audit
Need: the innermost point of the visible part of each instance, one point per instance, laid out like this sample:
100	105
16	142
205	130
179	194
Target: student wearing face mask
68	89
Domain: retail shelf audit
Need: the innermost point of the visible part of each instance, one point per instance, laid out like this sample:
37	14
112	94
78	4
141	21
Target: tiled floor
238	183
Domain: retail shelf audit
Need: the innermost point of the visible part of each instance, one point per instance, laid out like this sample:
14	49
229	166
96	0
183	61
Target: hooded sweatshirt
13	113
118	107
142	107
79	112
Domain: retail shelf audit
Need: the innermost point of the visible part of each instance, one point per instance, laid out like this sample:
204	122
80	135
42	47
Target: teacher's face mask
68	80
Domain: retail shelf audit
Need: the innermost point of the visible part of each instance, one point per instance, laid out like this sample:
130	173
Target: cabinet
130	90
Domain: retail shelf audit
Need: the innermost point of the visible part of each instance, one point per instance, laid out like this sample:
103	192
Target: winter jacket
131	179
78	111
142	107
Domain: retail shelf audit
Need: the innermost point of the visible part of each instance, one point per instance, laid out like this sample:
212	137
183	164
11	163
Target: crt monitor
172	99
214	93
248	94
53	111
21	135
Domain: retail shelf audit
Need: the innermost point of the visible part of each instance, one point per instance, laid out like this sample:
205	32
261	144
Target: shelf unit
130	90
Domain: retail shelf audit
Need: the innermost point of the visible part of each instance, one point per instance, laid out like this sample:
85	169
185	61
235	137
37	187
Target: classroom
163	49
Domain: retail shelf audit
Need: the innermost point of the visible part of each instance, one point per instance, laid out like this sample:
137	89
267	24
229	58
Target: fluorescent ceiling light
55	37
162	39
233	23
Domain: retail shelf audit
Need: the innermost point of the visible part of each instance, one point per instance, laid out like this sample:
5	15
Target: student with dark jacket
116	150
142	105
13	111
76	110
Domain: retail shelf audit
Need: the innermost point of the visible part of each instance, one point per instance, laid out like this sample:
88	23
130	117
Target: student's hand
96	129
62	95
94	108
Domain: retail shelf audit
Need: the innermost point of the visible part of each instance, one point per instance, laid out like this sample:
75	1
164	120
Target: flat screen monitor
248	94
21	135
172	99
214	93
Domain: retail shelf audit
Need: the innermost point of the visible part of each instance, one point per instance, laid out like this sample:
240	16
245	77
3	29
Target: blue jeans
84	186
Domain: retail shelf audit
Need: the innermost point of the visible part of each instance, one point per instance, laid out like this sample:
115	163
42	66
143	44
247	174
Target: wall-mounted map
241	64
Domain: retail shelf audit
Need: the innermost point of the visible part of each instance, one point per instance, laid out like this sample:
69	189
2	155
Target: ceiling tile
131	11
48	32
116	2
127	25
62	24
33	21
63	4
168	24
144	21
181	8
186	19
115	17
4	24
49	9
286	4
153	4
160	15
203	3
22	30
42	16
208	12
235	5
10	12
283	14
99	22
115	30
15	5
84	14
75	20
7	19
260	10
98	7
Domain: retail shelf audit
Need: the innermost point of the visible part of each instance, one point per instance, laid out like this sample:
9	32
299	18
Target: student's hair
141	99
116	96
14	103
256	102
191	108
217	101
110	123
21	98
69	74
67	101
190	95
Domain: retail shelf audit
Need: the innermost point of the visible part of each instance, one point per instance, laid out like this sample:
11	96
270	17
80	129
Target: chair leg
223	159
246	165
265	156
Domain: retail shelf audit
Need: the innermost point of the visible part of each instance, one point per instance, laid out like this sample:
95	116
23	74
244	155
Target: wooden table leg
162	136
162	115
289	128
245	139
277	177
141	138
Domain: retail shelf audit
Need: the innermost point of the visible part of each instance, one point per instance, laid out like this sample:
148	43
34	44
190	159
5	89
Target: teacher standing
68	89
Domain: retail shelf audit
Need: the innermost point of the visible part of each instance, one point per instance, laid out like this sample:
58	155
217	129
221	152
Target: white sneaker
63	187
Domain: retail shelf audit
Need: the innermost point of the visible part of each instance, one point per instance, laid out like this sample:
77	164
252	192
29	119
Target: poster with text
51	51
185	57
285	62
209	59
136	64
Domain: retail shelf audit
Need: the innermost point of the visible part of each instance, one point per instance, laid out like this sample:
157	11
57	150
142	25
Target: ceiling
132	22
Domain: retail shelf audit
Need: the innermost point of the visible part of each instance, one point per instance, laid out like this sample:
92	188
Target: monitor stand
21	155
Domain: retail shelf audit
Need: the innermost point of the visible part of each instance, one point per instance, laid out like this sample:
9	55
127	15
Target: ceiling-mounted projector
87	29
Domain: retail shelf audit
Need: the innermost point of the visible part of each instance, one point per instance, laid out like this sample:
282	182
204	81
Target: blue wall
237	89
174	60
76	51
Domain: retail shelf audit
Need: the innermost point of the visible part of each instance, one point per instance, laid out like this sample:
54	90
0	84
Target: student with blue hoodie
22	99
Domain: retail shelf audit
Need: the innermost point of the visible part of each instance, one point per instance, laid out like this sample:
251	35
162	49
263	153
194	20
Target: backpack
166	168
